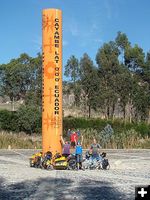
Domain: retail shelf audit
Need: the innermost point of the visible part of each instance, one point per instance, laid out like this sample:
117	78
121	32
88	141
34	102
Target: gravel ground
129	168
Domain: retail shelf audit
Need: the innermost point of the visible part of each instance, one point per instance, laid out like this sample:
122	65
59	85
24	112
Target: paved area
129	168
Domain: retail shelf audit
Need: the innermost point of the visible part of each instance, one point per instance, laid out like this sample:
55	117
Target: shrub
8	120
29	119
118	126
143	129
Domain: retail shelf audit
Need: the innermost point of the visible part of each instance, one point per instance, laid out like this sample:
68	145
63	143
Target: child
78	152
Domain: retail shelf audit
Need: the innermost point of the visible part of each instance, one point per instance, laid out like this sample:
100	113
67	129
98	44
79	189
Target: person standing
73	136
66	147
78	153
95	148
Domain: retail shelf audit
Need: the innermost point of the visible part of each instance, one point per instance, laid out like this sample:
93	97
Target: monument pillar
52	80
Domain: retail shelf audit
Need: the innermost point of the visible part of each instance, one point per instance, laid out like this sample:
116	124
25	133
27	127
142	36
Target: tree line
120	78
21	79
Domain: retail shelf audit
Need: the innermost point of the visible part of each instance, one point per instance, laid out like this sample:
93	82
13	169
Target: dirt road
128	169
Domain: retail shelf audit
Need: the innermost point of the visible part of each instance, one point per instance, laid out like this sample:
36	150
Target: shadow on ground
59	189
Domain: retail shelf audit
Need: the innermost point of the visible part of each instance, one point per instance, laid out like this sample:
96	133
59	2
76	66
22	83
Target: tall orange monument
52	80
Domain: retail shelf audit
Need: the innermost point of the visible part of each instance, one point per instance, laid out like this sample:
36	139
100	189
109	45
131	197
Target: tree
16	77
141	102
108	64
21	78
134	58
142	94
72	71
34	93
89	82
146	70
124	88
122	43
135	61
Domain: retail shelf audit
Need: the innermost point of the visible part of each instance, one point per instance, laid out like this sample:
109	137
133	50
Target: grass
125	140
128	139
18	141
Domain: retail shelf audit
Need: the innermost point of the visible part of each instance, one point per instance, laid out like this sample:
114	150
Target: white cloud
74	29
37	42
71	26
108	9
112	8
94	26
98	40
65	43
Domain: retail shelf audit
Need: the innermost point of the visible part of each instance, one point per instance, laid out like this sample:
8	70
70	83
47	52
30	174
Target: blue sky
87	24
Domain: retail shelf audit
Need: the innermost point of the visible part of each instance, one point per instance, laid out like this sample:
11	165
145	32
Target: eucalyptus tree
89	82
122	43
108	68
16	77
72	71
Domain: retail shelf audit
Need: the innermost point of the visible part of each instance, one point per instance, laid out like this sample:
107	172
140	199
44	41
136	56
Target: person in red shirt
73	137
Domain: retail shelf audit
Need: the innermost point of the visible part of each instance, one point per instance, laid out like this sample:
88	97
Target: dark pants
79	161
73	144
79	158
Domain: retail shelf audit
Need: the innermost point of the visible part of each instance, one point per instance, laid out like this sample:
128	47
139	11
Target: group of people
75	146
